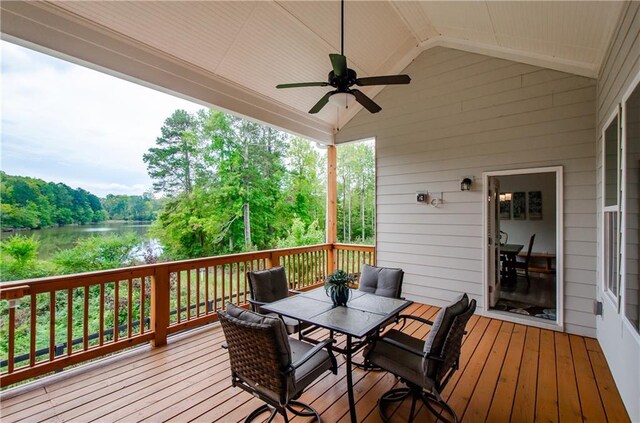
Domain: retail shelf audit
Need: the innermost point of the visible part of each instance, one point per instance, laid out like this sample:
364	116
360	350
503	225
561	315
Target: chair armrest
419	319
313	351
255	303
294	291
402	346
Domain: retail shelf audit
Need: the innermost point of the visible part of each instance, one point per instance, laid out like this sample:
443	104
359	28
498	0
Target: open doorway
523	256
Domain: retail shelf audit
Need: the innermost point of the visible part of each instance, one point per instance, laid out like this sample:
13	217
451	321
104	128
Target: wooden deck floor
508	372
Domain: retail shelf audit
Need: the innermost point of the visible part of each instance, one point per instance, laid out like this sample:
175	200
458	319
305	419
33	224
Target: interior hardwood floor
508	372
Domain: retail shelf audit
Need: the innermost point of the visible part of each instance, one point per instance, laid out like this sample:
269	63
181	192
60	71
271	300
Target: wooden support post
160	305
332	206
273	260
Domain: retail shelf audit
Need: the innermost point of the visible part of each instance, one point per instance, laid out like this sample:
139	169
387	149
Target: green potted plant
337	287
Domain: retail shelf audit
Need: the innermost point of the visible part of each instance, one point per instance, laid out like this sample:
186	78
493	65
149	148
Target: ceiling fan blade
383	80
303	84
368	104
323	102
339	63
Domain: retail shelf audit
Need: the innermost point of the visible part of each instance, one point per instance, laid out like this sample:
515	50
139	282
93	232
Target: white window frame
614	298
635	84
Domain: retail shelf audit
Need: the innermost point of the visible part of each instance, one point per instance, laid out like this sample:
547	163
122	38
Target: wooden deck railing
120	308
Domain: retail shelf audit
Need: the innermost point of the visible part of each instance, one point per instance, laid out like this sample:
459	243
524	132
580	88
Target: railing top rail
354	247
81	279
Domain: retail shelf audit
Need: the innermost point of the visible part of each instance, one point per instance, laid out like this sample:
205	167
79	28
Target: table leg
352	405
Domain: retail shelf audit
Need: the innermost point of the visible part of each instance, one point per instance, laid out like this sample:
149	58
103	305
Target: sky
62	122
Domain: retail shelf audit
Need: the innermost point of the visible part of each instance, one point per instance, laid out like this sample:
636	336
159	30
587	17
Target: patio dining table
363	315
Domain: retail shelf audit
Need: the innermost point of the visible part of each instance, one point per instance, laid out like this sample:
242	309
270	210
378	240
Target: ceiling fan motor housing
342	83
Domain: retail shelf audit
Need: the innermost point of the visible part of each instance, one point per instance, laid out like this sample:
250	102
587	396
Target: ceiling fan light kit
342	79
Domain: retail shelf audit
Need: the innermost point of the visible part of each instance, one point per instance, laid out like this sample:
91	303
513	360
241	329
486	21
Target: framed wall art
519	206
534	205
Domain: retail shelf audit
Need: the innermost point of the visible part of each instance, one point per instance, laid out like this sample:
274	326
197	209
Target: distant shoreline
13	230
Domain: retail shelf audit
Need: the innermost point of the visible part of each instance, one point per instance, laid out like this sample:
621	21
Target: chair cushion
309	371
269	285
442	324
383	281
281	337
438	334
402	363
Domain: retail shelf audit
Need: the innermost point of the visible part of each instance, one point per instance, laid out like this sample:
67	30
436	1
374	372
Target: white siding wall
619	343
463	114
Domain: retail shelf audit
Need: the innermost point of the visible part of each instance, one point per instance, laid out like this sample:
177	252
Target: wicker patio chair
270	365
424	366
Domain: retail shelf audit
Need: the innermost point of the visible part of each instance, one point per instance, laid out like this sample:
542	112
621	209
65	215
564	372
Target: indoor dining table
362	317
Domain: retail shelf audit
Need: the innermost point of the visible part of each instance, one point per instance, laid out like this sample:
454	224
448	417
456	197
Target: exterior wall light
465	183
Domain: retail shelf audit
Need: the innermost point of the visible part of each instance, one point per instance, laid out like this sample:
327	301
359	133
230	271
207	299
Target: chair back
259	352
383	281
442	346
268	285
533	237
452	345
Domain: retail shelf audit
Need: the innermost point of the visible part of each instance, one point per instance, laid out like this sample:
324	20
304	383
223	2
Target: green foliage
33	203
338	282
244	194
132	207
98	253
300	235
21	248
18	259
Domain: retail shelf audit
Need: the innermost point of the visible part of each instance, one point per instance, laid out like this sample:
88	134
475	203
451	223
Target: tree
174	163
356	192
34	203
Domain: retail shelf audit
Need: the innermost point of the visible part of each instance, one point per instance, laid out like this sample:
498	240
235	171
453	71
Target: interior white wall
620	343
465	114
545	229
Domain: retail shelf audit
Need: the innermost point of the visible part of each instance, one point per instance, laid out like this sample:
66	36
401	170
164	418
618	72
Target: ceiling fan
342	79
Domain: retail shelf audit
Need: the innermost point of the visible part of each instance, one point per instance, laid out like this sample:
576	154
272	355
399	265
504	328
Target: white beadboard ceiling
252	46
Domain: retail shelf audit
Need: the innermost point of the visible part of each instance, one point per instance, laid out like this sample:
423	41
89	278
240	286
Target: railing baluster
11	334
130	308
215	287
198	292
142	295
178	295
85	320
69	321
206	290
101	317
222	303
238	283
32	331
189	294
116	310
231	285
52	325
244	279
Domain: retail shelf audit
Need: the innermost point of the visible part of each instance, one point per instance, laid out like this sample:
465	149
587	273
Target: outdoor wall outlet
422	197
597	308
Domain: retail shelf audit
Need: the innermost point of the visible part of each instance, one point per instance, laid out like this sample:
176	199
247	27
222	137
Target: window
631	191
611	211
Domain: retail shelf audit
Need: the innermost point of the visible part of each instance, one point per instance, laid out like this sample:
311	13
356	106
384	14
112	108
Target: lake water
53	240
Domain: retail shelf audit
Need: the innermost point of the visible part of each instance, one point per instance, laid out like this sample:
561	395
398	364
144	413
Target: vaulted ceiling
237	51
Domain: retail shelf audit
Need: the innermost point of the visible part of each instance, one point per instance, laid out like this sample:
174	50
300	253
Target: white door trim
559	323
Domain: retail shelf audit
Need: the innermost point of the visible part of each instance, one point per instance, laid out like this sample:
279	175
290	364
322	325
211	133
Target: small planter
337	287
